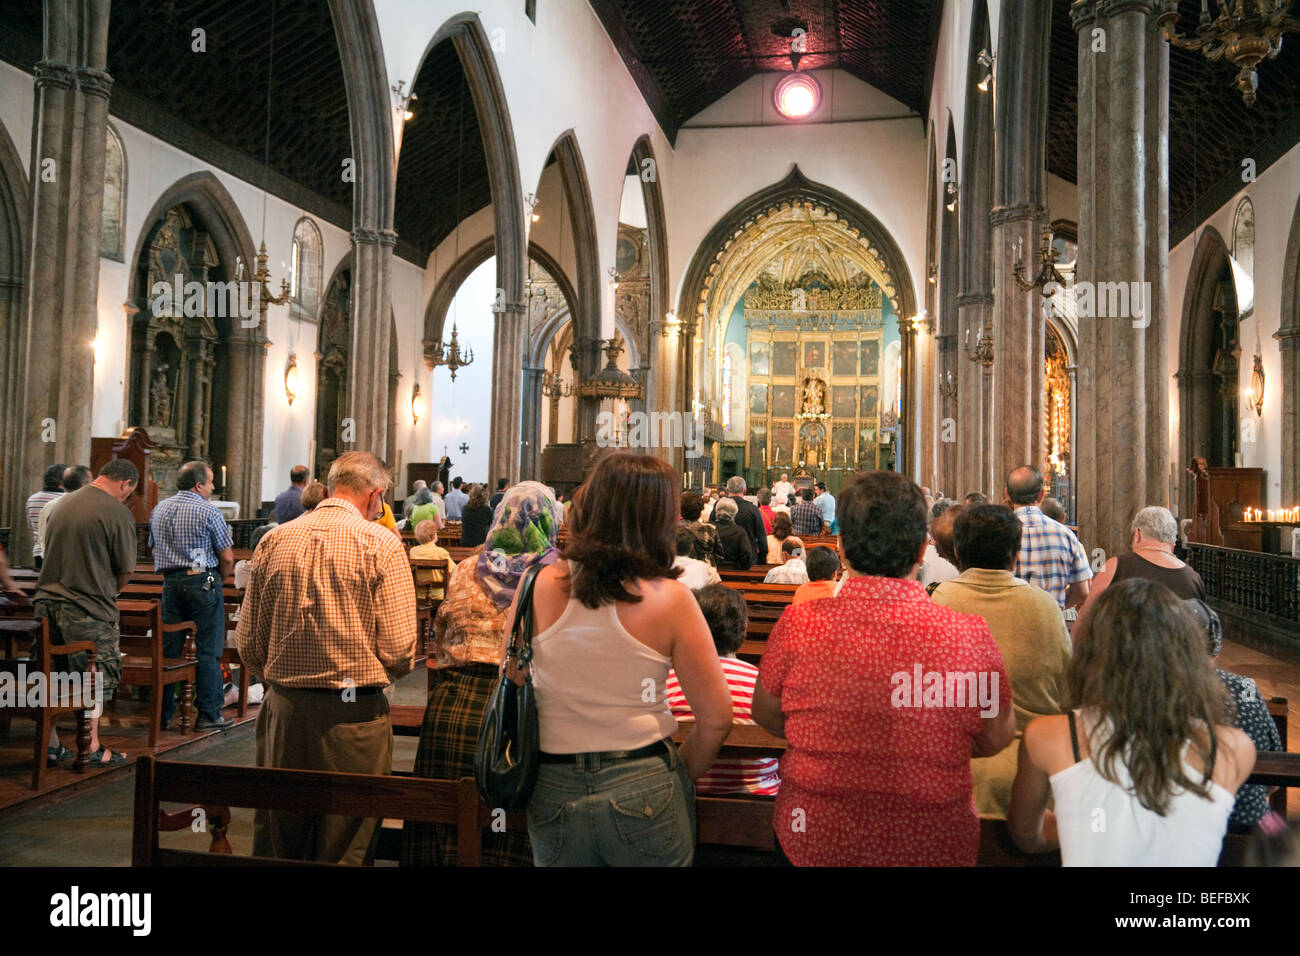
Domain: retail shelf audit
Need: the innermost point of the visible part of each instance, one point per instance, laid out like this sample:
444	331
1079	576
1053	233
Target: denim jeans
621	813
185	599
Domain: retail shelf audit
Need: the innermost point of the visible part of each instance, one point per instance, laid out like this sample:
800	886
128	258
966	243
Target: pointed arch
1288	337
14	219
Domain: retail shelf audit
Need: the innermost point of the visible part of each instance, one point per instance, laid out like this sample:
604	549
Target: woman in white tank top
609	623
1128	789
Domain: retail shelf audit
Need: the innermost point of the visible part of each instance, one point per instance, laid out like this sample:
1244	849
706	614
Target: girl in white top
1128	789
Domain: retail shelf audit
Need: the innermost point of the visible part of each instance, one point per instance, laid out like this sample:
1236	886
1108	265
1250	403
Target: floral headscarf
522	534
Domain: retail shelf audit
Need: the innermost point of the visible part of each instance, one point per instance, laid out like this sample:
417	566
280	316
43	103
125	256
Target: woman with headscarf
469	626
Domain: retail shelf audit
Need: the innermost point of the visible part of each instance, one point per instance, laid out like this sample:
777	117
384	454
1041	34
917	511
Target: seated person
1026	623
429	584
791	570
937	568
735	549
696	574
724	610
942	545
1252	716
823	566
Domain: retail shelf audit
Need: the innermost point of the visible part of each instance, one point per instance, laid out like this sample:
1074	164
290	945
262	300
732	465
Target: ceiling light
797	96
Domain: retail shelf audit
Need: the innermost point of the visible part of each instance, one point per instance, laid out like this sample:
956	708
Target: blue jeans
622	813
185	599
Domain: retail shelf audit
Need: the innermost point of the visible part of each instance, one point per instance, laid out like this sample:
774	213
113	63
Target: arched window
305	273
110	233
1243	236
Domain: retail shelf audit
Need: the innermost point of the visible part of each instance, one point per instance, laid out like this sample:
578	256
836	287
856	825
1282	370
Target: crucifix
464	448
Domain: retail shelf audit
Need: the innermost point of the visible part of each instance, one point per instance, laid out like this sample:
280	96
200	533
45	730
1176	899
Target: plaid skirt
448	740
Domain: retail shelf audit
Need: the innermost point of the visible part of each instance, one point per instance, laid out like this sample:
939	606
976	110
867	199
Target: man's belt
169	572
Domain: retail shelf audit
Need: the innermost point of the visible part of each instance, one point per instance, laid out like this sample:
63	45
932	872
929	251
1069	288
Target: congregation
964	652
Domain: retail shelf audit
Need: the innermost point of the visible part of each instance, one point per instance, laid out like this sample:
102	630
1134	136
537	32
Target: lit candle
223	478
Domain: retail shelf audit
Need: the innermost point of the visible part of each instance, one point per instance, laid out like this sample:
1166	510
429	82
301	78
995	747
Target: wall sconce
1257	386
291	378
985	60
951	205
613	278
417	404
404	102
531	202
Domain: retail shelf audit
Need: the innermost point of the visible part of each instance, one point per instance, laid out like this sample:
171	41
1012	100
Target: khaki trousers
309	730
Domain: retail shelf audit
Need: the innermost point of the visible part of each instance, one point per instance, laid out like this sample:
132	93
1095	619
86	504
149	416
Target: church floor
87	822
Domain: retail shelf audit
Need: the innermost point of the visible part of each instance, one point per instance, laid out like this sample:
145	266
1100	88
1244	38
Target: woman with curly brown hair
1144	769
610	622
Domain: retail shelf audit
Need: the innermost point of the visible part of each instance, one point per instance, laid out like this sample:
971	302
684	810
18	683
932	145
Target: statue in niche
160	399
814	397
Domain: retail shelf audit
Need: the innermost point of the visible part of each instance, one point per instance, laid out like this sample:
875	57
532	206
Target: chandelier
1046	267
611	381
553	386
1243	33
449	354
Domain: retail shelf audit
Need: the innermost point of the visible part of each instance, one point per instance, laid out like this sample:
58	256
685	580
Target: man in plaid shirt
192	548
804	515
1051	557
328	620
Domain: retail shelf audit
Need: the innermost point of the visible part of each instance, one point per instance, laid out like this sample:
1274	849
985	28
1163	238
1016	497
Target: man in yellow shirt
387	520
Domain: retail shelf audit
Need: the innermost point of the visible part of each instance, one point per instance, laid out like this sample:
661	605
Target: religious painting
870	356
758	399
868	436
843	453
814	355
758	358
844	400
782	442
812	441
757	446
870	396
784	357
783	401
844	358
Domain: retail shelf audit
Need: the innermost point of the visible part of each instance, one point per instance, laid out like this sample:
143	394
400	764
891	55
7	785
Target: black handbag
509	744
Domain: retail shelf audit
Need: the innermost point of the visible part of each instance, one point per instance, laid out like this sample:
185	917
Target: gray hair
358	471
1156	522
419	483
437	487
735	485
726	508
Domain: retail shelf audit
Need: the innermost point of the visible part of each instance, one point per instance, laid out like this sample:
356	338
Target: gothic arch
586	304
113	227
14	219
1288	336
1196	348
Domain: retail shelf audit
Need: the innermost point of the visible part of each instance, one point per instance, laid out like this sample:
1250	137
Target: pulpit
135	447
1222	496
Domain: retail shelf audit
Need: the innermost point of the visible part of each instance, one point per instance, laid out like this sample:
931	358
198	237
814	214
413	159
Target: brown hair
623	526
1139	662
478	497
781	526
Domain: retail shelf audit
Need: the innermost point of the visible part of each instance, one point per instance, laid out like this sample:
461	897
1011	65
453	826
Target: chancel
952	349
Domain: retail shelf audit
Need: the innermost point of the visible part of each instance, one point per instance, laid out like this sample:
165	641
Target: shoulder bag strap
521	635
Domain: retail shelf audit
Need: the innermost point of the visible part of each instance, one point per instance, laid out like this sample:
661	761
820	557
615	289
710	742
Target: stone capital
386	237
49	73
974	298
94	82
1083	13
1017	212
1114	8
1289	337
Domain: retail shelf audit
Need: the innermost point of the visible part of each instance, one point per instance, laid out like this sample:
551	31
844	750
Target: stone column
371	332
973	310
1123	237
946	360
531	450
246	362
658	383
56	377
506	446
1289	342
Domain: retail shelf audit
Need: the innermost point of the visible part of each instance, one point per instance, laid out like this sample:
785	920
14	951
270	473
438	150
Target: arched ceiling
213	104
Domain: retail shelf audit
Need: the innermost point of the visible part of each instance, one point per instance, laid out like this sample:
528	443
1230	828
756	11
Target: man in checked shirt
192	548
328	621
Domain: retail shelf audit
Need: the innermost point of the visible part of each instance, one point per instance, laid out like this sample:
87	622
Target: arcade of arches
955	263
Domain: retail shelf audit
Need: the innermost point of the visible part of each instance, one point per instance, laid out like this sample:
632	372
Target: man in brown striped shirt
328	620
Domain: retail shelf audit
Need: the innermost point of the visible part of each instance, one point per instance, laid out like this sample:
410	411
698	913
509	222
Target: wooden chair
61	696
431	576
143	631
454	802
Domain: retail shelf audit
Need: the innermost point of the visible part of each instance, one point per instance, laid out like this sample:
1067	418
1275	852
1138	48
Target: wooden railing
1261	591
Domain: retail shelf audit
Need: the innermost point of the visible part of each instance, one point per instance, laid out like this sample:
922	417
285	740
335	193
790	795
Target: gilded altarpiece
814	353
176	348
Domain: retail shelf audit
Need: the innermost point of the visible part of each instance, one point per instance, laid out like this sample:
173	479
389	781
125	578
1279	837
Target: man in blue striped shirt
1051	557
192	547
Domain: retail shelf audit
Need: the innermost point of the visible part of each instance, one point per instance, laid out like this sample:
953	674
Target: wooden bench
143	631
70	699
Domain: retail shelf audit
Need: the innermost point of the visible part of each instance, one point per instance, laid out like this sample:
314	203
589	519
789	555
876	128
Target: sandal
57	755
114	759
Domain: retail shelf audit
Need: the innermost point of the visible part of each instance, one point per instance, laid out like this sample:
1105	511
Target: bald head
1025	486
941	529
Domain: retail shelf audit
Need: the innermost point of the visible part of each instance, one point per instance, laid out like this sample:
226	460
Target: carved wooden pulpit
135	447
1222	494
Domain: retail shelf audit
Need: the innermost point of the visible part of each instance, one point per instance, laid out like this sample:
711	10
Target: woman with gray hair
1155	532
734	543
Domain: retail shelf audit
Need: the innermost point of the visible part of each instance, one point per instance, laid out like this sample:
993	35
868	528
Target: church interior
788	242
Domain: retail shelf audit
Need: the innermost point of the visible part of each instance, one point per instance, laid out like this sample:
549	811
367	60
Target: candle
223	478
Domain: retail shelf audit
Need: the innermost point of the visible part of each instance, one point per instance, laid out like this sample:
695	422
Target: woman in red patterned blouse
884	697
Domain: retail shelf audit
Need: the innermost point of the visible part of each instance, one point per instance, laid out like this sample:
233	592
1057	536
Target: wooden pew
143	631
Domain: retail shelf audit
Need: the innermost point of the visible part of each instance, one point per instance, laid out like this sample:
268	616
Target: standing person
326	670
610	622
696	574
1151	556
782	490
1147	749
193	549
1051	557
804	516
74	479
288	503
792	569
413	498
51	488
748	517
428	507
881	777
439	502
476	518
313	494
765	509
825	504
469	627
781	529
502	483
456	499
735	548
705	545
92	542
937	568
